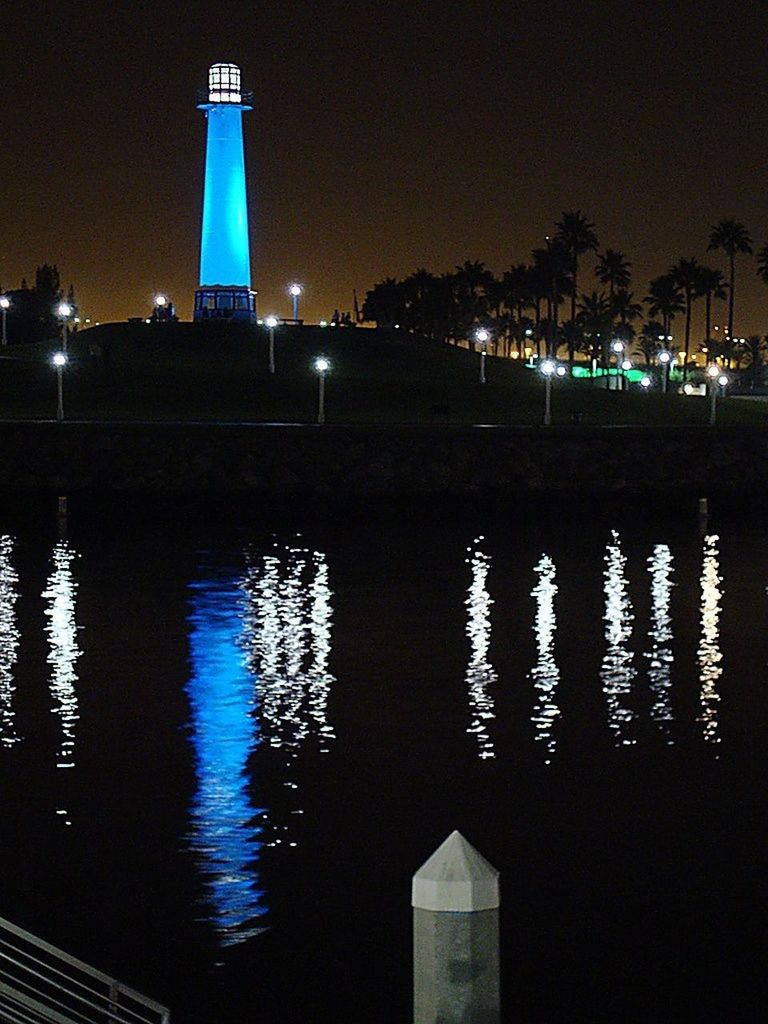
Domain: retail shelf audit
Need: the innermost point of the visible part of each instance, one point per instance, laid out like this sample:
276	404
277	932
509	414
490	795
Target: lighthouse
225	292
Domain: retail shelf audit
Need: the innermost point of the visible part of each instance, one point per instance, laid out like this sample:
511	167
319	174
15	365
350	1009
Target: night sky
385	136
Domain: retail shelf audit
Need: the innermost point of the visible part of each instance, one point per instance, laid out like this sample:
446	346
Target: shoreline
369	460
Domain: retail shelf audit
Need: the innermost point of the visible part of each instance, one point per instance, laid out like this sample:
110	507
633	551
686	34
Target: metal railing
40	984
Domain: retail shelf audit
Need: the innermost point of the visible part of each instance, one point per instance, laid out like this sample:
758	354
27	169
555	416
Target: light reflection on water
259	652
617	671
545	674
9	641
63	652
480	674
709	654
660	657
288	638
224	833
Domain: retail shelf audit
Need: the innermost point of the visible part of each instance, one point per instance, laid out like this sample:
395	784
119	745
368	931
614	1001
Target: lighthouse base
222	304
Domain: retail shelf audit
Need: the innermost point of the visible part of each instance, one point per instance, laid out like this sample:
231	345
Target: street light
64	311
322	366
617	348
645	382
295	290
665	358
271	323
482	337
59	361
5	303
713	372
549	369
161	300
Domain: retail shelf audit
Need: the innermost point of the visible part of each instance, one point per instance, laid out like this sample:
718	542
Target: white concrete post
455	898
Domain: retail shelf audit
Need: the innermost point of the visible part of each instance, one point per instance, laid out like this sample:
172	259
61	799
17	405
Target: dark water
229	737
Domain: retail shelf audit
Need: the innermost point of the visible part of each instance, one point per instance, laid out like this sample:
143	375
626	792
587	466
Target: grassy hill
212	372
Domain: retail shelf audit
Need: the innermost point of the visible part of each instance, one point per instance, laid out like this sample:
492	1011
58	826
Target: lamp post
715	378
271	323
295	291
64	311
482	337
665	358
645	382
549	369
5	303
617	349
59	361
322	366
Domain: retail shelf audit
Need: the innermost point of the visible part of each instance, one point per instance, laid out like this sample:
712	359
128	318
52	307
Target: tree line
31	314
543	306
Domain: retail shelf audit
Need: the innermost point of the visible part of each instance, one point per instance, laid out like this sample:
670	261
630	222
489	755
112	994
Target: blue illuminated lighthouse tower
225	264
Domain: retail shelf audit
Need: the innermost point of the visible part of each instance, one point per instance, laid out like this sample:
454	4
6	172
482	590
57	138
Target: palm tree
711	286
762	263
553	265
651	340
732	237
540	289
753	348
472	282
665	299
596	320
613	270
385	303
685	274
624	307
518	297
578	236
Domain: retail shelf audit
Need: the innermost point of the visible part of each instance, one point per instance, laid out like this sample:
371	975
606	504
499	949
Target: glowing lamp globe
664	357
64	309
482	336
5	302
712	371
59	360
645	382
722	380
688	388
322	365
618	346
160	300
548	367
271	322
561	371
295	290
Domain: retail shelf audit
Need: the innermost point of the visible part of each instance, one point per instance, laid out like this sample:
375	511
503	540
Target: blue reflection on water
224	834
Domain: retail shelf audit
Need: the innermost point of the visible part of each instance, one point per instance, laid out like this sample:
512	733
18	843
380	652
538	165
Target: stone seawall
282	460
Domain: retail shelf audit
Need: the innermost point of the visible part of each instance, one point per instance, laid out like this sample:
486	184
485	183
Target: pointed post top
456	878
